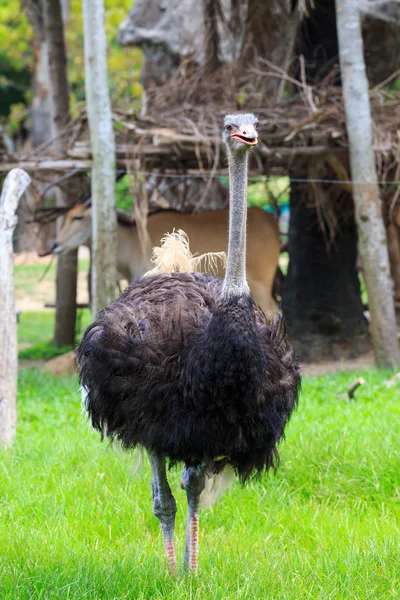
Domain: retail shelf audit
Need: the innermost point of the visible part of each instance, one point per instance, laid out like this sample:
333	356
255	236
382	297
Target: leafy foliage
123	194
17	57
16	36
123	63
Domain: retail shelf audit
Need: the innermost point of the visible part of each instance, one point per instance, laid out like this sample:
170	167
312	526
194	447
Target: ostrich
190	368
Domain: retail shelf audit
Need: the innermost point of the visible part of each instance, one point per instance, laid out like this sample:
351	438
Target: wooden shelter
303	137
185	139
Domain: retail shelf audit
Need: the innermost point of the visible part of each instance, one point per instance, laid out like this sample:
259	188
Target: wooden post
371	231
14	186
104	236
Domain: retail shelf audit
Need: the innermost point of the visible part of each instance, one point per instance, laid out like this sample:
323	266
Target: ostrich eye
256	125
228	127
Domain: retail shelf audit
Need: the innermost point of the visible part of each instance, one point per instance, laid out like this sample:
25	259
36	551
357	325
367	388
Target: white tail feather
215	486
174	256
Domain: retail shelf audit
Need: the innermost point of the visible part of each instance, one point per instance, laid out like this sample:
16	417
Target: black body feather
173	367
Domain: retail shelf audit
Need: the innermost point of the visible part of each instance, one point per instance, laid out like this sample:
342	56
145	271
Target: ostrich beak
247	135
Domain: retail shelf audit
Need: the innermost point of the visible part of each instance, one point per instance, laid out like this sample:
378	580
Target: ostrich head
239	132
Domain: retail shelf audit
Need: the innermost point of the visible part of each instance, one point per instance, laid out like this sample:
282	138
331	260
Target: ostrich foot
194	480
170	553
164	507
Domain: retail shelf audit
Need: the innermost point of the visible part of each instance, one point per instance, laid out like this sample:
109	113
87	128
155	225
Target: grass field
76	523
35	285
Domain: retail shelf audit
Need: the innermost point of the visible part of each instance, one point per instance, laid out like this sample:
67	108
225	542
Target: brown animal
393	235
207	232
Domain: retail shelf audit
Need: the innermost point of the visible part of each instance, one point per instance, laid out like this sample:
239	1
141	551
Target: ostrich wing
129	358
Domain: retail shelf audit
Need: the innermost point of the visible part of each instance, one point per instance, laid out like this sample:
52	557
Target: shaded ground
335	366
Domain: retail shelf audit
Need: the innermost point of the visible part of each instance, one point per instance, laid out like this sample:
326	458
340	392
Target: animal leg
194	481
164	506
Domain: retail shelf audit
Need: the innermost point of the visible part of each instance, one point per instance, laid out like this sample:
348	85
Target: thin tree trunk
211	36
104	236
394	257
14	186
67	265
371	232
41	100
269	33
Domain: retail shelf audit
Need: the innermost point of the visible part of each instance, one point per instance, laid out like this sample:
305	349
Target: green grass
37	327
76	523
27	276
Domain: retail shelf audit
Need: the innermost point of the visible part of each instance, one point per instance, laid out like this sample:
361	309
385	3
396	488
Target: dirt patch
61	365
24	363
366	361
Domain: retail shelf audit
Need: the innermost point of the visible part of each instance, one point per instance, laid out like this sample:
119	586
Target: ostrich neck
235	283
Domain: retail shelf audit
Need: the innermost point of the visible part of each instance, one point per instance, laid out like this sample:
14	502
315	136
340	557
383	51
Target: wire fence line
263	178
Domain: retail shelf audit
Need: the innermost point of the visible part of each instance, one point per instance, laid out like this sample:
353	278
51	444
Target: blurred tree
21	54
269	33
322	298
15	56
67	265
371	231
104	222
41	126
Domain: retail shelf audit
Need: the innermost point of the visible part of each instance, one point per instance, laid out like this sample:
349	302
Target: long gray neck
235	282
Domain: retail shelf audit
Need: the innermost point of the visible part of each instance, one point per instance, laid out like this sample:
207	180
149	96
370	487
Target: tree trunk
41	100
67	265
269	33
14	186
394	257
211	37
331	315
371	232
322	301
104	236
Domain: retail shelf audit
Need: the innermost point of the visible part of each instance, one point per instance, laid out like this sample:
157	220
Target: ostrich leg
164	506
193	480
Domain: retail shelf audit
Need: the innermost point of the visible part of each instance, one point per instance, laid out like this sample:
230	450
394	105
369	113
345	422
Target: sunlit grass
35	333
75	522
36	327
